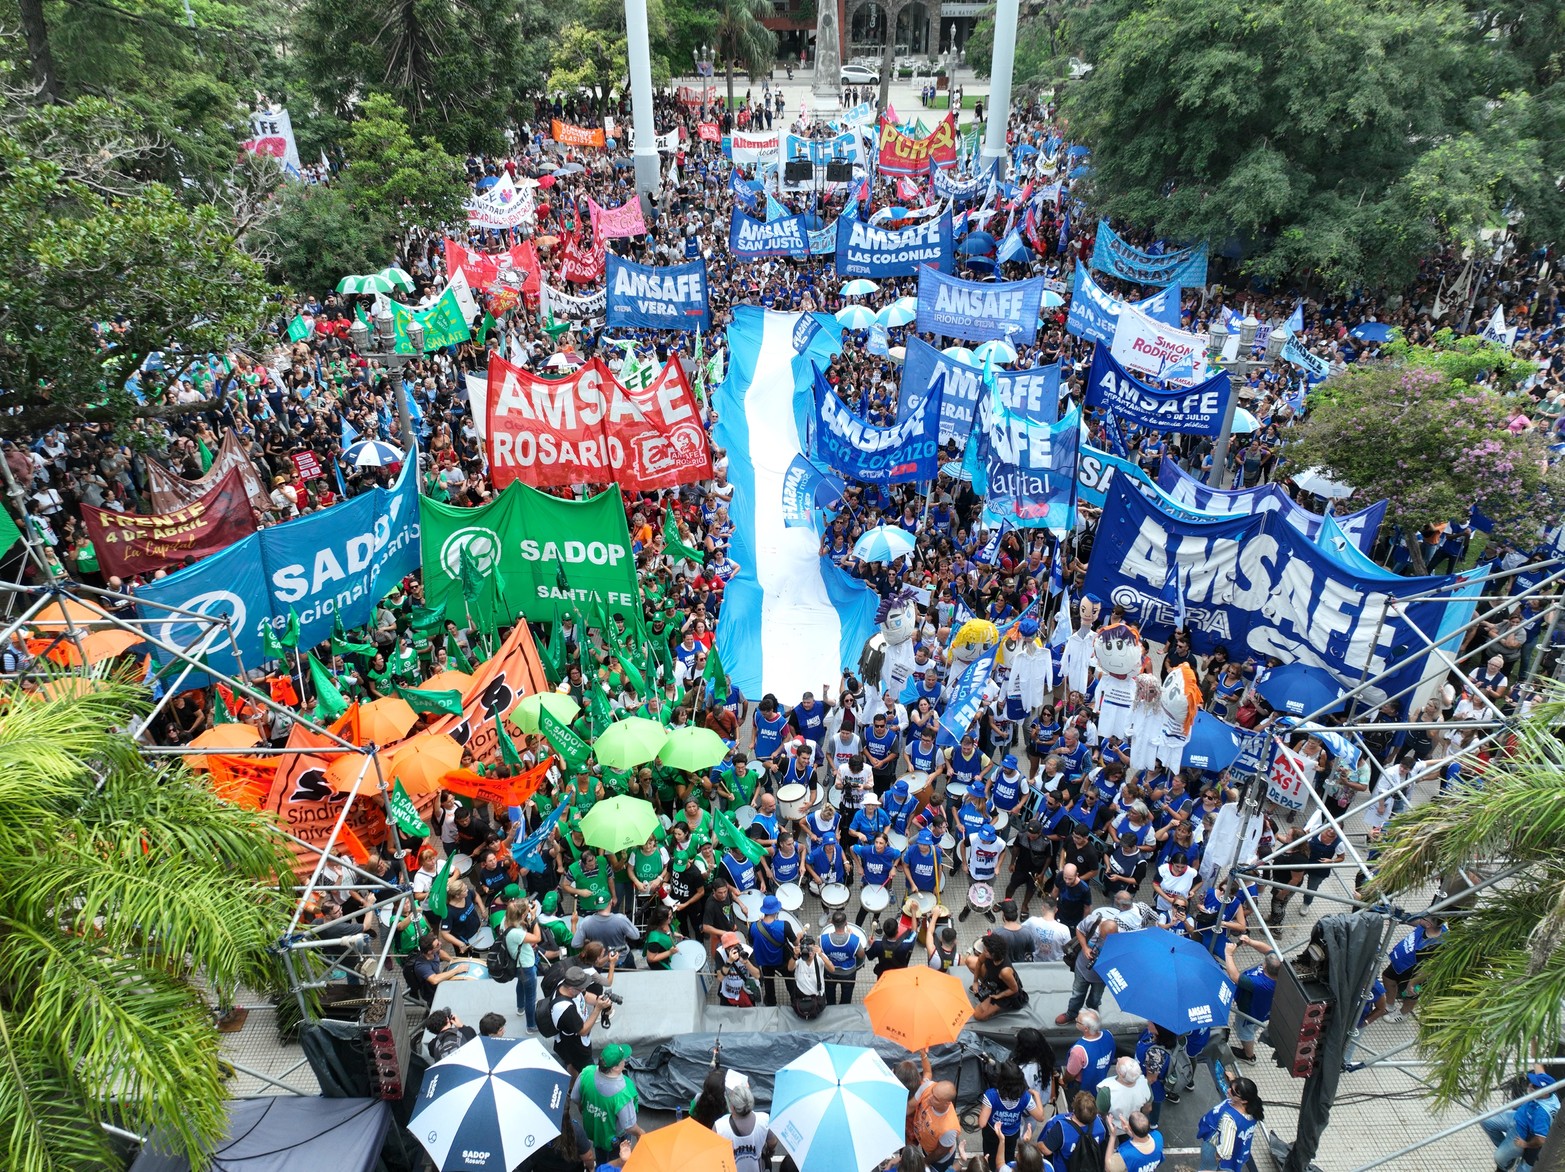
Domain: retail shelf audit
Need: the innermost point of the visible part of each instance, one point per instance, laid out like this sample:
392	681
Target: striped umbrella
856	317
859	287
838	1108
372	454
899	312
883	543
1002	351
388	280
960	353
490	1104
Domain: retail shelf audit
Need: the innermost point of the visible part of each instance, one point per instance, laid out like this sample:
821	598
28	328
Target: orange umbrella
448	681
918	1007
385	721
223	736
685	1146
420	762
76	614
344	773
101	645
72	687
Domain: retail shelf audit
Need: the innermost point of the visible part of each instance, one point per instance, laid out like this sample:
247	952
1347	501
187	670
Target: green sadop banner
444	323
539	556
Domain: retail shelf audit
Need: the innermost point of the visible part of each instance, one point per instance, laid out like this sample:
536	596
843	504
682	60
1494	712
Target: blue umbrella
1213	744
856	317
1051	299
956	470
838	1108
1371	331
1026	151
1300	689
372	454
899	313
1080	172
976	244
883	543
981	263
490	1104
1079	152
1165	978
487	182
858	287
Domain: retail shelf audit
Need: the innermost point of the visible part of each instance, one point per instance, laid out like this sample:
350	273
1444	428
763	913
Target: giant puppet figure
886	663
1181	701
1029	670
1078	648
1118	650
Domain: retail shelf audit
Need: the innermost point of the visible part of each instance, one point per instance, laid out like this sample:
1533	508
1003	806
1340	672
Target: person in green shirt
696	820
648	867
607	1099
589	880
657	946
379	677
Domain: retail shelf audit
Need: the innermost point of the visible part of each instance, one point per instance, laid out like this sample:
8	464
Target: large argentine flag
791	619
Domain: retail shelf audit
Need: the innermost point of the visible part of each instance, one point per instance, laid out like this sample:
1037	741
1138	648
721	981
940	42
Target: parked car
859	75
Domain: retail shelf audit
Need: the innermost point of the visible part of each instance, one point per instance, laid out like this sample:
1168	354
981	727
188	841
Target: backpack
543	1014
1087	1155
501	960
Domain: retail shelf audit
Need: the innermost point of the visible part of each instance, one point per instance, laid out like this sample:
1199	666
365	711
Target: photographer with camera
807	967
573	1011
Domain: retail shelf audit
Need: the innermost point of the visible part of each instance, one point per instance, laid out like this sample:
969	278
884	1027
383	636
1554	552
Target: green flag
436	902
427	620
472	576
730	835
9	533
299	329
405	814
290	636
674	545
508	750
424	700
221	712
205	453
330	703
270	644
572	749
598	710
444	323
458	656
716	676
345	647
489	325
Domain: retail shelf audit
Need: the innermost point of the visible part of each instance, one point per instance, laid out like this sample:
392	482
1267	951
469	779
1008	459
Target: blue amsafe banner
669	297
747	193
1035	392
1111	255
948	186
1025	470
978	311
750	239
851	445
1362	527
864	250
1259	587
338	562
1095	312
806	488
1196	410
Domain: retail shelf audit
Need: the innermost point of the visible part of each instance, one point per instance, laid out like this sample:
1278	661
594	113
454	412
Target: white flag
1496	330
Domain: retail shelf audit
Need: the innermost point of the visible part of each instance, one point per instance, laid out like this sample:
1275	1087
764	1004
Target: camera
611	997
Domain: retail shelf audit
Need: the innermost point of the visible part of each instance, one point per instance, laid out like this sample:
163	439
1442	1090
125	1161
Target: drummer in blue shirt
1007	787
922	754
879	865
787	861
921	864
826	863
973	813
900	806
868	821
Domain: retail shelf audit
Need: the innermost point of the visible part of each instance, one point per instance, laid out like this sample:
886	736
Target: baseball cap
1539	1078
614	1054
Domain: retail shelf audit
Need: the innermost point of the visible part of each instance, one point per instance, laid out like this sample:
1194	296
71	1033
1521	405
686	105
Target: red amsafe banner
129	543
903	154
709	131
517	269
589	429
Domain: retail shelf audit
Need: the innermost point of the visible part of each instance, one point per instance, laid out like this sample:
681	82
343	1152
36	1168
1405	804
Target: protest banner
171	492
752	239
624	220
978	311
1094	312
1180	266
308	465
906	154
271	134
670	297
844	148
564	132
582	265
851	445
806	488
753	149
574	554
1023	468
568	305
306	805
444	320
864	250
500	682
504	205
709	132
1196	410
1178	486
1035	391
1141	343
132	543
1315	368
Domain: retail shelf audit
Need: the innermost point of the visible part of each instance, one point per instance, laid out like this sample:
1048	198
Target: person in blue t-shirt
1060	1135
1520	1134
1255	988
869	820
1407	955
1002	1111
1228	1129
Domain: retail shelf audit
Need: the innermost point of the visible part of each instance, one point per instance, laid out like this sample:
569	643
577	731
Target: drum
483	938
947	844
689	956
461	864
1001	821
897	842
744	816
980	896
747	906
874	899
834	796
792	801
834	896
798	925
917	781
927	901
665	821
791	896
955	792
475	970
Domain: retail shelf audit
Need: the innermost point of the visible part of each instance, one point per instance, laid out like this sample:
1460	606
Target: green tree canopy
590	52
132	890
1338	138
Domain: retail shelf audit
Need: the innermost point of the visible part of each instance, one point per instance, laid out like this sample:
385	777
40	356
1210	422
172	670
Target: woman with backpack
1075	1142
1004	1107
519	935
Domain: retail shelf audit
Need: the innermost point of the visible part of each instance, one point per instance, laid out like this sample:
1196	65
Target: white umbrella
372	454
490	1104
1316	481
899	312
1245	422
897	354
838	1109
960	353
558	361
1002	350
883	543
856	317
859	287
1051	299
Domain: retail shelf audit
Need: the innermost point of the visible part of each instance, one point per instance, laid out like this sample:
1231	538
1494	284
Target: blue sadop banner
751	239
978	311
1259	587
1024	469
1035	392
849	444
806	488
667	297
336	563
1094	312
1182	266
1196	410
864	250
1361	528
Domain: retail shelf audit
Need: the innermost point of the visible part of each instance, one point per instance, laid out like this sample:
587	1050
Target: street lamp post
1239	370
386	352
704	59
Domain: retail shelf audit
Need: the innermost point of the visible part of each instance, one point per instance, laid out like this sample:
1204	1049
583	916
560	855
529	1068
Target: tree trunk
37	32
728	69
1420	567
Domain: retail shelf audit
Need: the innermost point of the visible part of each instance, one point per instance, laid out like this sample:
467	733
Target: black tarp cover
285	1133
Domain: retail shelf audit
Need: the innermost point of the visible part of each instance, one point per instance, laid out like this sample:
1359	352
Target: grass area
943	101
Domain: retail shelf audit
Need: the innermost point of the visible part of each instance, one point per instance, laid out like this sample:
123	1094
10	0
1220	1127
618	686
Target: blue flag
350	434
526	852
1295	321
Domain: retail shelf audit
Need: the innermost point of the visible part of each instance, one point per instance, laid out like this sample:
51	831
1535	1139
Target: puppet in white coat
1031	670
1078	648
1181	699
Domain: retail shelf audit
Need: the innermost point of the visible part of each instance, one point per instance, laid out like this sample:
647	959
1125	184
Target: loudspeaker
798	171
1300	1010
839	172
377	1021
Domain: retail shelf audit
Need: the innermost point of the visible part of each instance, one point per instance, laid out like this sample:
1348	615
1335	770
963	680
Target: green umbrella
560	706
693	748
386	281
617	824
629	742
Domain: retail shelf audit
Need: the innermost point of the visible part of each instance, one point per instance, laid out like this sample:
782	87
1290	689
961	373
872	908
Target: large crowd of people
1039	829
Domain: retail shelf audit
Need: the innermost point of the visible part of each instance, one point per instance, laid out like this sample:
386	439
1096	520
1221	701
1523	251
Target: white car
859	75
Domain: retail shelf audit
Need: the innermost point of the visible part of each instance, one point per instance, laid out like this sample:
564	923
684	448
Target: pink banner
624	220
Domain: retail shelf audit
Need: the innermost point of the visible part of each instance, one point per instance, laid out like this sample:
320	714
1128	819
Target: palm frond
44	1127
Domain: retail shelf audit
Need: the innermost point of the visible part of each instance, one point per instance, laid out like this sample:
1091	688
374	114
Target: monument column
648	169
828	54
999	105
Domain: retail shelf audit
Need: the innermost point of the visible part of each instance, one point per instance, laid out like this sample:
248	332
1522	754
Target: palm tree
1493	989
129	888
741	37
